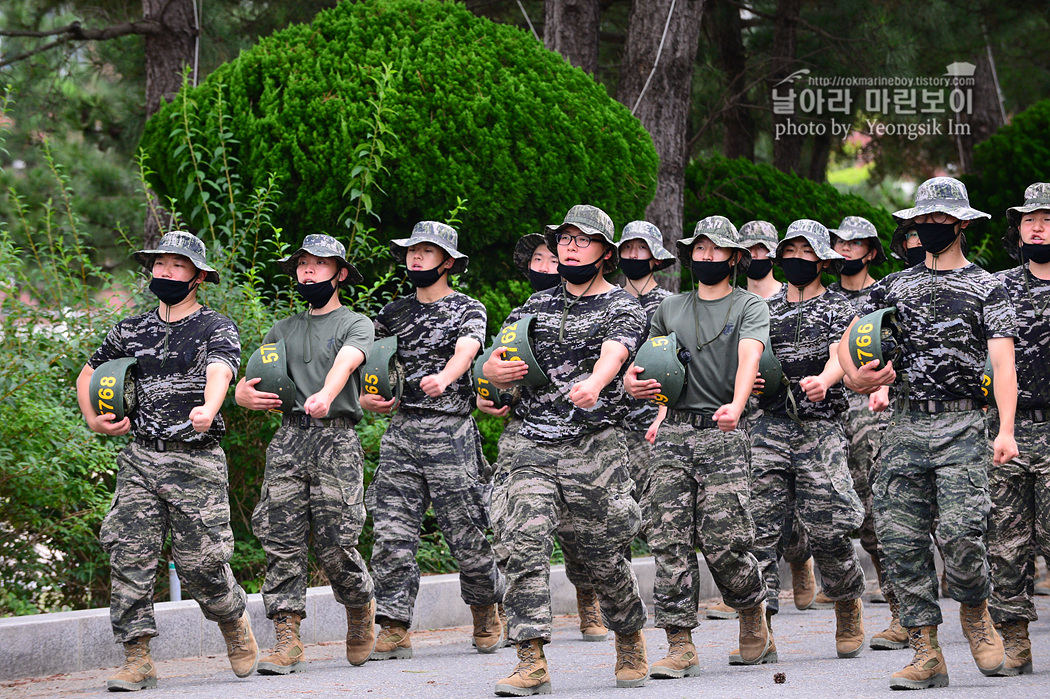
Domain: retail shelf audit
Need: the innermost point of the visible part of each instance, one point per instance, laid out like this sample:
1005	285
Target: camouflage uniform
171	479
430	454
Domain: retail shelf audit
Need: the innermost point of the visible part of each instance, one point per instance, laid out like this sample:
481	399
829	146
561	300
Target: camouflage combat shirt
641	413
818	322
426	340
948	318
167	392
856	298
1032	347
614	315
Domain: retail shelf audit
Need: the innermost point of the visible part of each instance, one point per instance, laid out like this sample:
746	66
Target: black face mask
170	291
916	256
710	273
759	269
936	237
1039	254
580	274
800	272
635	269
851	267
422	278
317	294
541	281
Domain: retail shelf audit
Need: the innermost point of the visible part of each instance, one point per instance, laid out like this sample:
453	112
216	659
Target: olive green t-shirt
711	373
311	344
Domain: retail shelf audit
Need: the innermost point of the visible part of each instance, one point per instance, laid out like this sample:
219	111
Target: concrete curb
64	642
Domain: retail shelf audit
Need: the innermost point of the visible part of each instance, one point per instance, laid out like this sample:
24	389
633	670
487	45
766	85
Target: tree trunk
167	55
570	27
738	135
664	106
818	160
986	116
787	149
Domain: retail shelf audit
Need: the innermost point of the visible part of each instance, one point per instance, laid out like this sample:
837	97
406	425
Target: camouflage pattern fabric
170	385
639	456
313	479
698	497
948	318
430	459
929	462
1019	524
1032	347
818	237
588	478
809	461
184	494
864	429
653	239
642	413
426	340
761	233
436	233
180	243
945	195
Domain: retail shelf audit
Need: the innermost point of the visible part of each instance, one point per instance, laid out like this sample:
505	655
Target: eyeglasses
935	217
581	241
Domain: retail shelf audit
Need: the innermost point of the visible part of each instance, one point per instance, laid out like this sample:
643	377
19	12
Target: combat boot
240	645
393	641
986	646
927	668
849	628
138	671
591	625
632	664
1017	646
822	601
530	676
720	611
803	584
360	632
895	636
769	657
681	657
488	630
754	634
287	655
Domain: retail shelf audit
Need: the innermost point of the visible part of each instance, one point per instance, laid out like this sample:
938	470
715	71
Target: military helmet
517	338
382	374
986	383
776	381
270	363
112	388
661	359
878	336
485	389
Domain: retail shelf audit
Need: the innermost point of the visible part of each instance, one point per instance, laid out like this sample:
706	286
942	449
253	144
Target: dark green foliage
480	111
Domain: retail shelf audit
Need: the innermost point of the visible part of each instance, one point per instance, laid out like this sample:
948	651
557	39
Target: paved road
445	666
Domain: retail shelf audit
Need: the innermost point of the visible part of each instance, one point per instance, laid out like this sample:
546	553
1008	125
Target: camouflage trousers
314	478
864	430
639	458
184	494
510	443
931	462
807	462
699	497
588	480
426	459
1019	524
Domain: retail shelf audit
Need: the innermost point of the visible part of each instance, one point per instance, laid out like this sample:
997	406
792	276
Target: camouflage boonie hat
1036	197
860	228
320	245
651	236
592	221
180	243
816	234
720	231
944	195
524	249
440	234
899	239
761	233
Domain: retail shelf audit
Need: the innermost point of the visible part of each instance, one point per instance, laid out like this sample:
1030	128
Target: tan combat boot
240	645
138	671
720	611
895	636
681	657
591	625
393	642
287	654
849	628
755	638
488	630
986	646
1018	647
770	655
360	632
632	664
530	676
803	584
927	668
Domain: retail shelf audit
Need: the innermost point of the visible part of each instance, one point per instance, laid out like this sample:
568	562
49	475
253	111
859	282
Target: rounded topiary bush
478	110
